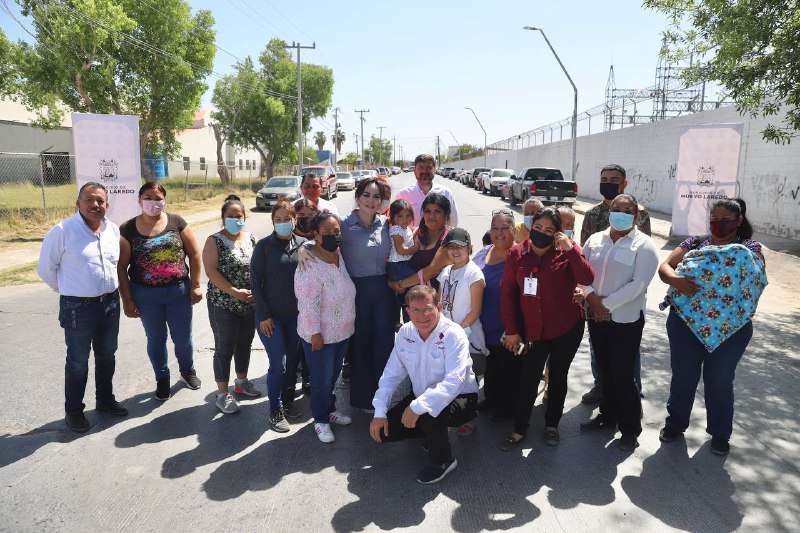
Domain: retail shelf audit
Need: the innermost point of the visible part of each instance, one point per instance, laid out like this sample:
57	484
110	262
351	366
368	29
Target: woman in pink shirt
326	321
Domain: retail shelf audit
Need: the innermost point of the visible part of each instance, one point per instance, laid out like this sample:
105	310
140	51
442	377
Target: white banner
107	151
708	165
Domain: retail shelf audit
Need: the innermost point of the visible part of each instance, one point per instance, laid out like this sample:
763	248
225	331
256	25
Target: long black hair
438	200
738	207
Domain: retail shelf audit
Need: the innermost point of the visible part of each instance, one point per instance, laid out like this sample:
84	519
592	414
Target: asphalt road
182	466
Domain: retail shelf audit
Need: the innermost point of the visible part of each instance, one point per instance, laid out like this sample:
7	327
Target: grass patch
20	274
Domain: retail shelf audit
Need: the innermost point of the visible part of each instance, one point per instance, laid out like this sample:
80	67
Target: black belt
100	298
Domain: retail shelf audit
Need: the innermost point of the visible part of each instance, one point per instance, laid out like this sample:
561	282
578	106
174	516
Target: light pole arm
479	122
559	60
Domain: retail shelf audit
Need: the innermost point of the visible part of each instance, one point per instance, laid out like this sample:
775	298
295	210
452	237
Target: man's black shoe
115	408
436	472
191	379
594	395
667	434
628	443
162	390
598	422
720	446
77	422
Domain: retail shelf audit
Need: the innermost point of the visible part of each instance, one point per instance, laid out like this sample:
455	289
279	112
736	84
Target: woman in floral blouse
326	321
231	312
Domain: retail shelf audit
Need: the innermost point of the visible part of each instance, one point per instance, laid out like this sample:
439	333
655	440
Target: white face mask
153	208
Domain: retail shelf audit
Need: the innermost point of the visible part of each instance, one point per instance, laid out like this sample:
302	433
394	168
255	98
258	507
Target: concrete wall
23	138
768	180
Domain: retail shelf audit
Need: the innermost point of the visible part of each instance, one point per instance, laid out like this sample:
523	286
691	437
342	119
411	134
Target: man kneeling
434	352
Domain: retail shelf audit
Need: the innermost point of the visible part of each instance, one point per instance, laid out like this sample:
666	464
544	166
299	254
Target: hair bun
233	197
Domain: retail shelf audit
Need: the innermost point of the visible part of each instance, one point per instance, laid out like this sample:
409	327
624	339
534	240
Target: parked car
328	178
497	178
408	169
345	181
395	170
473	179
357	176
369	173
383	171
547	184
446	171
276	187
461	175
479	179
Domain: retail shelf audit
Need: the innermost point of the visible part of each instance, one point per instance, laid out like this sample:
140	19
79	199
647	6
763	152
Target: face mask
620	221
541	240
528	221
569	232
331	242
722	228
303	223
153	208
234	225
284	229
609	190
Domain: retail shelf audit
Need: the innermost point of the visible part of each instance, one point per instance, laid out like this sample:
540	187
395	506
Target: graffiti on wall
770	190
643	187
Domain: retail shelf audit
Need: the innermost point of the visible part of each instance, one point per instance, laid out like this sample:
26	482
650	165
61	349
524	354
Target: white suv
497	178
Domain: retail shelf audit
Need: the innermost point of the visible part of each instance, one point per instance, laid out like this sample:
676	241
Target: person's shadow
692	494
16	447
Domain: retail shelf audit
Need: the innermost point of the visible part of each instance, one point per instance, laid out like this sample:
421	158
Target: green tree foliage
320	139
7	72
339	139
749	46
378	153
255	103
121	57
465	149
349	159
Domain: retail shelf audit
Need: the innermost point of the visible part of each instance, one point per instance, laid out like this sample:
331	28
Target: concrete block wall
768	178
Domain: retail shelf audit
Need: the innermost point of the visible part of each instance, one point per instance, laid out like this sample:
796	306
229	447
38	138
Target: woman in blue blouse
365	247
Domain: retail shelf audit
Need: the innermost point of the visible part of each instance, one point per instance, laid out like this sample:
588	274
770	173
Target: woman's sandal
509	443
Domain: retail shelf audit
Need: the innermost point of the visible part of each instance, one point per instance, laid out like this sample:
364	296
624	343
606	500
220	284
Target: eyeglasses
503	211
427	310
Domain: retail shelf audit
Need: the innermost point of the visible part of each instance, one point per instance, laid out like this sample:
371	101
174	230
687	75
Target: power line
276	28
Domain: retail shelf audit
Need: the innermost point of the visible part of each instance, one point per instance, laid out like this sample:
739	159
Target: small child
401	215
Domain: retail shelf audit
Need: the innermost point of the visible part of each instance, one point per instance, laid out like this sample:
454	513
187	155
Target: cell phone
522	348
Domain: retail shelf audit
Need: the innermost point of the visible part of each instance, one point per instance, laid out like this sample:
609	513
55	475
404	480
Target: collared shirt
596	219
365	249
74	261
440	368
325	206
551	313
414	196
326	302
623	270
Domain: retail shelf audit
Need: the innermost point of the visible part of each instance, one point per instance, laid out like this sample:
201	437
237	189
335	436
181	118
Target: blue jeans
160	307
88	325
688	358
399	270
233	338
324	367
282	354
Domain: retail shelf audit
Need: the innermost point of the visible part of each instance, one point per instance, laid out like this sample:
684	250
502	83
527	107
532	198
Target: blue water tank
157	165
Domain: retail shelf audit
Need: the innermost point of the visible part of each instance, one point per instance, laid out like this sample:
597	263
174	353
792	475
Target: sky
416	65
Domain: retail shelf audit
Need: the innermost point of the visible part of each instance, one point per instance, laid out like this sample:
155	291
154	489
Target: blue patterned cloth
731	279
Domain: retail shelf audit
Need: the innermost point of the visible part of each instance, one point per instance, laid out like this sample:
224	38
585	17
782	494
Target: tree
266	110
380	153
349	159
465	149
749	47
119	57
339	139
7	72
320	139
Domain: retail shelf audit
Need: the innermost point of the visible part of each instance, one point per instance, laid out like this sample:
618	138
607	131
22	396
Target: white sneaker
227	403
324	432
340	419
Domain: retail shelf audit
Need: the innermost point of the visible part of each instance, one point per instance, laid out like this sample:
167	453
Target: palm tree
319	139
339	139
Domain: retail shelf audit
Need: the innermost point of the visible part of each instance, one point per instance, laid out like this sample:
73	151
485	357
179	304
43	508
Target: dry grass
19	275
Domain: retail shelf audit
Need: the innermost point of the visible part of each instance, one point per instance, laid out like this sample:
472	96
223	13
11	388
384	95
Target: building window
241	165
247	164
202	163
185	163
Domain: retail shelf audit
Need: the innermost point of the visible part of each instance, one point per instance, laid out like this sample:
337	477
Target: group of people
322	290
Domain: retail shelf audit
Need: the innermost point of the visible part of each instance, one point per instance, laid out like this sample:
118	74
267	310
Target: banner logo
706	176
109	170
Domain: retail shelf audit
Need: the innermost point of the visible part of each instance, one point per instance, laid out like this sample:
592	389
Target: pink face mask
153	207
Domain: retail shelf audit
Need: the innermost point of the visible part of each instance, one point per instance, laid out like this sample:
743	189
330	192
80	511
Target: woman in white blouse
624	261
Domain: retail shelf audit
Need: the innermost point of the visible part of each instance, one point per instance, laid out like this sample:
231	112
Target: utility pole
394	150
298	46
356	136
380	157
438	153
336	112
361	112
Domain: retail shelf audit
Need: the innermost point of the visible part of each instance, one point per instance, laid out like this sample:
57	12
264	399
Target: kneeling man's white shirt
440	368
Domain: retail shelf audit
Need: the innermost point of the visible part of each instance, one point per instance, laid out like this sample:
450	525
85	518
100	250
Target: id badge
531	286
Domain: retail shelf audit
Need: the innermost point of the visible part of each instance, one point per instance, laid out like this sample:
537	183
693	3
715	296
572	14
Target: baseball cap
458	236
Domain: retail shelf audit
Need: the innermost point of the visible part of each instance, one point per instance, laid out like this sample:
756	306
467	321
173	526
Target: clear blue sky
415	65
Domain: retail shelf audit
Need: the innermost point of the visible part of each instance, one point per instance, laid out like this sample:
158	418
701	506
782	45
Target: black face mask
541	240
331	242
302	224
609	190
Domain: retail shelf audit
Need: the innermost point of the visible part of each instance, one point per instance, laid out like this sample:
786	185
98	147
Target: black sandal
509	443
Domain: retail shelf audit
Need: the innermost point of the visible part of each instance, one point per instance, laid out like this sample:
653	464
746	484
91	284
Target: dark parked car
328	178
547	184
473	176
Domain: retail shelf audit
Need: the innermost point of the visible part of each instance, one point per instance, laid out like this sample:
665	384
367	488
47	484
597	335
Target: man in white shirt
79	261
311	187
434	353
424	171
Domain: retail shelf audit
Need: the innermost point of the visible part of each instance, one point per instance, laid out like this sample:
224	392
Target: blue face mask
569	233
620	221
234	225
528	221
284	229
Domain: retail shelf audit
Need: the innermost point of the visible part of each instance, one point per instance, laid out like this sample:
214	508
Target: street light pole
575	106
484	133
